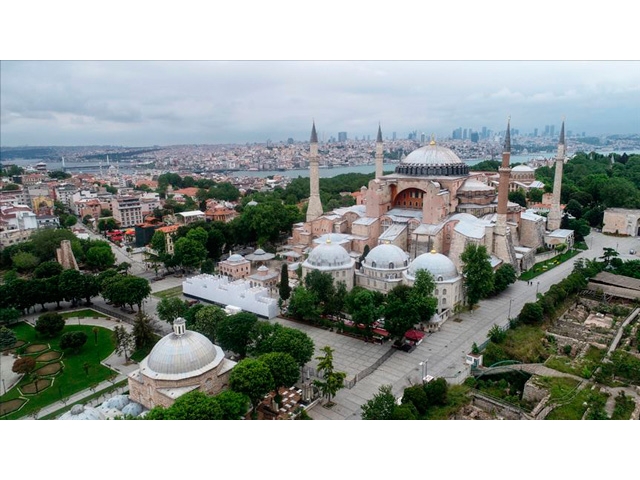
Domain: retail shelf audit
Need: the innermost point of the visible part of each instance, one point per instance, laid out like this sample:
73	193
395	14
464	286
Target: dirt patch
48	356
11	406
13	347
38	347
50	369
32	388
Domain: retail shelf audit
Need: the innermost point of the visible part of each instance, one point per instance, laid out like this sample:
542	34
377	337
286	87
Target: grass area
169	292
87	313
74	377
575	408
85	400
143	352
624	407
581	246
542	267
582	367
560	388
526	344
456	399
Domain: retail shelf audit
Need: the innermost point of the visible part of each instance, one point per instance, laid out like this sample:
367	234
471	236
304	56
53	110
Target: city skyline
142	103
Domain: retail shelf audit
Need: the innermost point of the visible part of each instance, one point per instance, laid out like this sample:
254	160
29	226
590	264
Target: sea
325	172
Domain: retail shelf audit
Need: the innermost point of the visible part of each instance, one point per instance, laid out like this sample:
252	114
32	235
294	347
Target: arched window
444	291
391	266
436	291
440	278
373	264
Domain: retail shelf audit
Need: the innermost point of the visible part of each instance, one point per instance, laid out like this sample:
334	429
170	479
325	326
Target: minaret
503	187
553	220
314	209
379	154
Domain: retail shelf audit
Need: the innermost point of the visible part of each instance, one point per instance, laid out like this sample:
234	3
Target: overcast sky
145	103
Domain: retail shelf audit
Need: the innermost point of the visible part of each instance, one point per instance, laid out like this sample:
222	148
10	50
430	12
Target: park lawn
525	344
73	377
169	292
87	313
560	388
542	267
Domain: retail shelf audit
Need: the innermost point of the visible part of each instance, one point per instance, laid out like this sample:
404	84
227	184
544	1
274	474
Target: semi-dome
387	256
181	354
329	254
440	266
335	238
433	160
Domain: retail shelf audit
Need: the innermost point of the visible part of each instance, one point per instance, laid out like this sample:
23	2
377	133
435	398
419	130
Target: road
445	351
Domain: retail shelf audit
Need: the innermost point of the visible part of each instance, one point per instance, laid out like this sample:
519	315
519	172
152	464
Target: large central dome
432	160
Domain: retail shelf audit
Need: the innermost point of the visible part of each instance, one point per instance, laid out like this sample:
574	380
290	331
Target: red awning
381	331
414	335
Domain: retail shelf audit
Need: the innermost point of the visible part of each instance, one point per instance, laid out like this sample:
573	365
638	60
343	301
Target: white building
224	291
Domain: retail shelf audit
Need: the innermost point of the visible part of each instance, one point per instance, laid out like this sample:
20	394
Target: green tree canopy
50	324
283	367
381	406
170	308
276	338
477	272
252	378
234	332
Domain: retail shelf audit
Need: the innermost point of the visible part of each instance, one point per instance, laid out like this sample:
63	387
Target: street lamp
537	285
509	315
424	370
4	387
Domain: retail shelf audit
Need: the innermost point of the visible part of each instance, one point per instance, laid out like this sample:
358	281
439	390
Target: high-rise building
342	136
393	136
547	129
535	132
423	137
552	130
484	133
464	134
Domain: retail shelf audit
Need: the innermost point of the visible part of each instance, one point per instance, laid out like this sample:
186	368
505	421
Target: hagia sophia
422	216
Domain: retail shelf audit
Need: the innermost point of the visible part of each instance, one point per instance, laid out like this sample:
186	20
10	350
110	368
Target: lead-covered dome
181	354
236	258
433	160
386	256
82	412
329	254
440	266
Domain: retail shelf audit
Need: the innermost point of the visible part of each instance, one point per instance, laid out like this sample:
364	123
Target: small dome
522	168
440	266
335	238
329	255
259	252
236	257
181	356
433	154
263	269
80	412
386	256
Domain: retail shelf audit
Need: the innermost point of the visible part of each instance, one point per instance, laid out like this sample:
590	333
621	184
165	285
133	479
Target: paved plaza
445	350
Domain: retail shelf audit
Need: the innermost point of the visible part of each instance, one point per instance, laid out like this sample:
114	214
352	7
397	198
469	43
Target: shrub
73	340
50	324
24	365
567	349
531	314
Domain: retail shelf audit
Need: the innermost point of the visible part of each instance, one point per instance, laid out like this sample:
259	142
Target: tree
477	272
417	396
283	367
437	391
24	365
608	254
234	405
234	332
363	309
142	332
207	320
189	253
252	378
125	341
399	314
50	324
276	338
25	261
332	380
303	305
46	241
285	289
170	308
7	338
73	340
9	316
107	224
381	406
90	287
574	208
47	270
126	290
518	197
321	285
71	286
100	258
497	334
158	242
421	297
531	314
535	195
505	275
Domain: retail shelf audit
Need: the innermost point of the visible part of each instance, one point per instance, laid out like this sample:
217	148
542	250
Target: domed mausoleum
382	268
180	362
333	259
448	282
